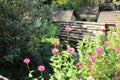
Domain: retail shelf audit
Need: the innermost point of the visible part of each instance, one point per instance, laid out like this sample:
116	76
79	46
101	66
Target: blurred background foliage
75	4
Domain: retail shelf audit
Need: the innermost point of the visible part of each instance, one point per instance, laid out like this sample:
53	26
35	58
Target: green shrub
74	5
97	61
23	26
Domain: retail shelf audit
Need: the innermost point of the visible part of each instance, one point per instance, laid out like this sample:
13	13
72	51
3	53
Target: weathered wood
79	30
62	15
109	17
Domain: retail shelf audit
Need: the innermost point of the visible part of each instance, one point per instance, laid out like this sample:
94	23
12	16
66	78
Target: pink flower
90	78
71	50
98	51
92	58
26	60
116	14
68	28
106	42
41	68
55	43
79	65
117	50
55	50
118	25
90	67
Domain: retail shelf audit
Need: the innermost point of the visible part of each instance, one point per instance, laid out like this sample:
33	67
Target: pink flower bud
41	68
92	58
98	51
55	43
71	50
90	67
79	65
67	28
116	14
26	60
106	42
117	50
55	50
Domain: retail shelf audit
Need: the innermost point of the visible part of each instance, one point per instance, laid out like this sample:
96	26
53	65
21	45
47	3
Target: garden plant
97	61
29	51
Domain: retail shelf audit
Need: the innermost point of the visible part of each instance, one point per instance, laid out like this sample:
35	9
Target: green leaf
30	74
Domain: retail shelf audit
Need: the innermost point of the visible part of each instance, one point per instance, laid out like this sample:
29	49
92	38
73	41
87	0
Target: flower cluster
27	61
55	50
40	68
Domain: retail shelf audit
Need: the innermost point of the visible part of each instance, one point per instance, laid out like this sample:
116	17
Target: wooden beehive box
79	30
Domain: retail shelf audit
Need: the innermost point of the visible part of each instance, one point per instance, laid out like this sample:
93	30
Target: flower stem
28	67
41	73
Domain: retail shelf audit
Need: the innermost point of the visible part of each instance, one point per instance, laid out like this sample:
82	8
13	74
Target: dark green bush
23	26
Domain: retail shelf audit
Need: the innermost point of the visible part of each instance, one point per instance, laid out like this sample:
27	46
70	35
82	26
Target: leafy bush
23	26
97	61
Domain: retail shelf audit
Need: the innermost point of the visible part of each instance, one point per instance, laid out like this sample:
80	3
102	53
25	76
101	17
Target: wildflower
55	43
103	30
117	50
90	67
71	50
26	60
55	50
92	58
41	68
79	65
106	42
98	51
90	78
67	28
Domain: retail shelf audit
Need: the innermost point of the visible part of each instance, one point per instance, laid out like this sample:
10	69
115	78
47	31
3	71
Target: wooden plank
109	17
79	30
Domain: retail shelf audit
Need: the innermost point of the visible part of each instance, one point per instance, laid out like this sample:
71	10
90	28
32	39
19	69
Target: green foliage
115	0
23	26
105	66
101	69
75	4
63	67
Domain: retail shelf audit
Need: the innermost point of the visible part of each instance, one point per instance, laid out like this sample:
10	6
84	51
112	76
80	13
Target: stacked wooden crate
79	30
